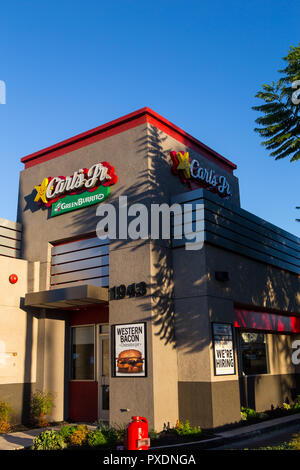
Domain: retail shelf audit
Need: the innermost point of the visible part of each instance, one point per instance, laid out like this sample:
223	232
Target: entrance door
103	373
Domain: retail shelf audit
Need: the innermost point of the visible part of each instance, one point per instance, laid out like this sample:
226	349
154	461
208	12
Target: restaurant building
152	326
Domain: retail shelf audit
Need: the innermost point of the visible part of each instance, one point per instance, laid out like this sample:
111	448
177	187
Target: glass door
103	373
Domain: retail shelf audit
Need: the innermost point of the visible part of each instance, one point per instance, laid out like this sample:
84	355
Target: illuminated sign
192	173
83	188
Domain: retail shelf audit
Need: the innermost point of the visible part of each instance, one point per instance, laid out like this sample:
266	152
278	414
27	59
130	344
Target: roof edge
119	125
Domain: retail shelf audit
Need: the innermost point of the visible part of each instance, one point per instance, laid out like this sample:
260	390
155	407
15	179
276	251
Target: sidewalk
24	439
239	433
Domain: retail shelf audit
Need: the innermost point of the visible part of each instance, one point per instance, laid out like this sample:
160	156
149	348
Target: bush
153	434
295	443
121	432
287	406
66	432
41	405
261	415
79	436
48	440
185	429
296	404
249	413
96	438
5	416
110	433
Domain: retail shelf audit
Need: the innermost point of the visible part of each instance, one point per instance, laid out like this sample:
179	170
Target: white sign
97	173
130	350
211	178
223	349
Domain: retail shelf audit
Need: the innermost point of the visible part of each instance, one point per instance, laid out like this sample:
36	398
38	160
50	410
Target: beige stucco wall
18	327
51	348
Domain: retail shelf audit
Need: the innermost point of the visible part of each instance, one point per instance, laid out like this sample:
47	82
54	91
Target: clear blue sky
72	65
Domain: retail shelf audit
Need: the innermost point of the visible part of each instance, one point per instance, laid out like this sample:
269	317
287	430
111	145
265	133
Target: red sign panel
266	321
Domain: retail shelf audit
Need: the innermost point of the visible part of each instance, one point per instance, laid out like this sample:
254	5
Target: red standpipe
137	434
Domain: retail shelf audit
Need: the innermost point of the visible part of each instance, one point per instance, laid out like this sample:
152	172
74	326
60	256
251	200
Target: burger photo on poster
130	361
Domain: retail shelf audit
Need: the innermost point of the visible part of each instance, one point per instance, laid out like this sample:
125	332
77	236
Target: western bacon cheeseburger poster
130	350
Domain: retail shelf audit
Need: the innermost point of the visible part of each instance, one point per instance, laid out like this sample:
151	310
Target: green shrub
48	440
262	415
110	434
66	432
185	429
295	443
248	414
121	431
153	434
41	405
5	416
296	404
96	438
283	446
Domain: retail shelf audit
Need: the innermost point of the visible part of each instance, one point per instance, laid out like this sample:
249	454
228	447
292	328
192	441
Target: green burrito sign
83	188
77	201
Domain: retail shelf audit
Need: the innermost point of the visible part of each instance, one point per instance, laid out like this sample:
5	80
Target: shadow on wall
148	189
28	386
259	286
278	291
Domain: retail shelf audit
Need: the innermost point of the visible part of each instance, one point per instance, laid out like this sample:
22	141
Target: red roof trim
119	125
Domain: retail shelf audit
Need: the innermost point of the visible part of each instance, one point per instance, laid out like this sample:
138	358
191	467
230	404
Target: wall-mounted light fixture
13	278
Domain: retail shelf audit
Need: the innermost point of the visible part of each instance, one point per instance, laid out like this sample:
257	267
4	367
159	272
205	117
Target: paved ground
23	439
19	440
256	435
265	439
245	433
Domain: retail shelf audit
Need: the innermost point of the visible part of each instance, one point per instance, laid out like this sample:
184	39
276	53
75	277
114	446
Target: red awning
266	321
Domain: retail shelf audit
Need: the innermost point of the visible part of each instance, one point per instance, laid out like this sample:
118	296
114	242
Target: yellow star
41	191
184	163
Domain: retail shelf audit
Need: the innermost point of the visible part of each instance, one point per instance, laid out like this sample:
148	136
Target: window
83	354
253	353
80	262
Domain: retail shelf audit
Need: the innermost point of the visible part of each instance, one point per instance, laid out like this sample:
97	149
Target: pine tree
280	122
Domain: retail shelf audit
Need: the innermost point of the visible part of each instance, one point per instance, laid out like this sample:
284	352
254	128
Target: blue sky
72	65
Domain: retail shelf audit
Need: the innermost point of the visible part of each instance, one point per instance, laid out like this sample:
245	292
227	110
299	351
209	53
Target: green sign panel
77	201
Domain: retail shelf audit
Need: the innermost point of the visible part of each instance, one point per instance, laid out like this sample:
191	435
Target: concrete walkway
24	439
